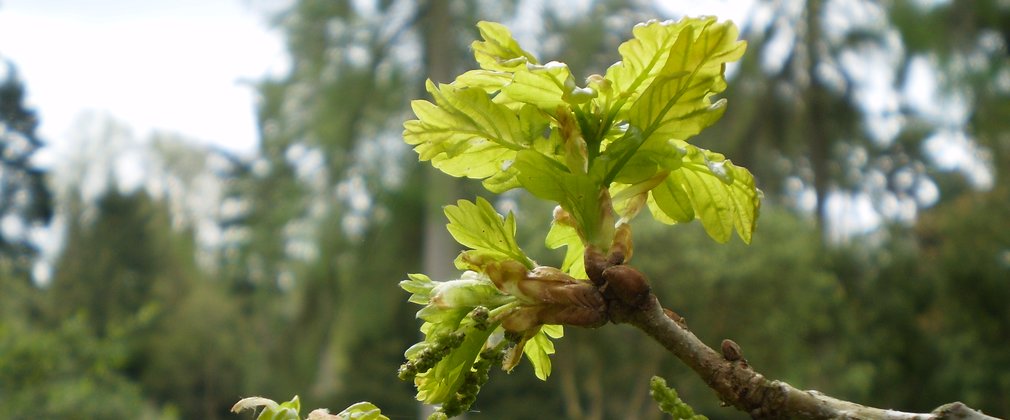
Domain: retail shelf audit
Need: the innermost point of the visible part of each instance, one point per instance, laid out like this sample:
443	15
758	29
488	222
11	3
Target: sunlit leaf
566	235
478	226
676	104
710	188
642	59
548	179
360	411
271	410
538	351
499	51
465	134
543	86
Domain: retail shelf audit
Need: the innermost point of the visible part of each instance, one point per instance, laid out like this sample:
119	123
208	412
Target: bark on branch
630	300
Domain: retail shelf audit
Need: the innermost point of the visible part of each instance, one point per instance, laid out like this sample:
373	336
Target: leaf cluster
618	143
601	151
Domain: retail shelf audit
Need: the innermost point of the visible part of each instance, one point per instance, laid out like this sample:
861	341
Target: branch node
731	351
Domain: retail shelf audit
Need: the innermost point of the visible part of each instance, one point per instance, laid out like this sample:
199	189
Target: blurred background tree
878	131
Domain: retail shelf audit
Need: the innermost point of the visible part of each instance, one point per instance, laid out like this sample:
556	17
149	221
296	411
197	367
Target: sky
182	66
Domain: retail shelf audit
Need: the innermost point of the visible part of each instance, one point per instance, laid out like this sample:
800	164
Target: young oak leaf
563	233
710	188
271	409
577	194
499	55
465	134
677	104
642	58
538	350
499	51
479	227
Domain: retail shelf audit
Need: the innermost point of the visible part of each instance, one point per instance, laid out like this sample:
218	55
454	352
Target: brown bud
573	315
621	248
596	263
731	350
628	284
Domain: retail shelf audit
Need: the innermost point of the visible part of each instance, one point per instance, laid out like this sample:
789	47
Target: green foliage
66	372
290	410
518	123
669	402
359	411
612	146
478	227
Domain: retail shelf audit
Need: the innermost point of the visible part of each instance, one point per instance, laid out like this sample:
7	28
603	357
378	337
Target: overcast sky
183	66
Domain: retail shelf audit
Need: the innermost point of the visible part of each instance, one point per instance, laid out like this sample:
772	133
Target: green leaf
539	349
479	227
543	86
577	194
565	235
419	286
271	410
673	69
677	105
499	51
709	187
360	411
465	134
486	80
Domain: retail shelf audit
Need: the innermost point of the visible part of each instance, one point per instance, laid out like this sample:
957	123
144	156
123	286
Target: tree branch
630	300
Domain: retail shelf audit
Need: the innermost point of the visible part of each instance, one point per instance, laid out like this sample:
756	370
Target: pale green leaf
670	203
579	195
499	51
419	286
478	226
642	59
554	331
542	86
561	235
538	350
677	104
271	410
721	194
360	411
487	80
465	134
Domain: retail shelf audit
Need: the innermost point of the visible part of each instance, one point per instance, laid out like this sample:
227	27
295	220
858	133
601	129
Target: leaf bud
628	284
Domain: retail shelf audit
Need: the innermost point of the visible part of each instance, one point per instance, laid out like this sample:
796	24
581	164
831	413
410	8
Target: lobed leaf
710	188
577	194
676	104
499	51
358	411
271	409
479	227
538	351
566	235
465	134
541	85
